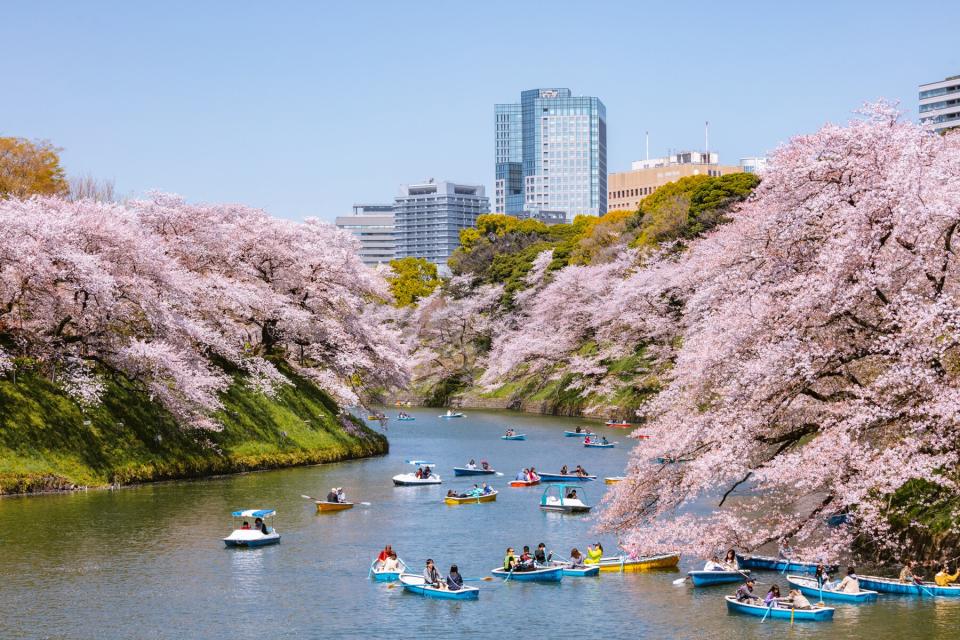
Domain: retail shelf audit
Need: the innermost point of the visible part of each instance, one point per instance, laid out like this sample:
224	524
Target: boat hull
455	415
490	497
709	578
591	445
556	477
462	471
581	572
524	483
331	507
385	576
521	436
819	614
415	584
780	564
894	586
647	563
808	587
405	419
574	434
551	574
251	541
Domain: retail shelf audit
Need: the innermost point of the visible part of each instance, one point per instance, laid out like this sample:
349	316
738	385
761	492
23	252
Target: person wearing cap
431	575
745	592
454	579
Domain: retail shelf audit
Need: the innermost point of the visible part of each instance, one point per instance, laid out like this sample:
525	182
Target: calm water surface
149	562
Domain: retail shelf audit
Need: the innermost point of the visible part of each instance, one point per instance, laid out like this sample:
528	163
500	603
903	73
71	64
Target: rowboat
599	445
618	425
710	578
580	434
464	471
519	436
406	419
578	572
892	585
386	576
817	614
418	584
329	507
614	479
808	586
451	414
488	497
411	480
780	564
524	483
560	477
556	497
541	574
252	537
625	564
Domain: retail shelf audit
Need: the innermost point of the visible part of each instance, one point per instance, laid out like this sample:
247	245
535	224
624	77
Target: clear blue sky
305	108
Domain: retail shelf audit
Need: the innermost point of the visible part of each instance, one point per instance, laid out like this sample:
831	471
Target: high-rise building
940	104
373	225
628	188
551	154
430	216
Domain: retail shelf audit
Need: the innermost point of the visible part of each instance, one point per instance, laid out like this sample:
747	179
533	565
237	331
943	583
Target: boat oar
486	579
769	606
680	581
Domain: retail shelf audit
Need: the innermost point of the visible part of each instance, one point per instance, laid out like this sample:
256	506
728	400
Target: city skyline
306	112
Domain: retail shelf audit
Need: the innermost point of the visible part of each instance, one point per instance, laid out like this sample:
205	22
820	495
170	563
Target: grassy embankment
49	442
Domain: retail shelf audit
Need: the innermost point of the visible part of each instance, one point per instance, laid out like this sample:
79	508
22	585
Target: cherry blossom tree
818	369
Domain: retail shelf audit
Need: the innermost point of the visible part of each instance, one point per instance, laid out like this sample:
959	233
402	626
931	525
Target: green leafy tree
411	279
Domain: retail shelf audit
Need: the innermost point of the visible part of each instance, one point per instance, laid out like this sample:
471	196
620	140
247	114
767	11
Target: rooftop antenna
648	146
706	140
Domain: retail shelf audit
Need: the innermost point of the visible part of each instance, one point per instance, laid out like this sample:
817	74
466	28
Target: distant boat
710	578
618	425
386	576
569	477
406	418
328	507
556	497
808	586
817	614
600	445
781	564
465	471
486	497
543	574
411	480
892	585
614	479
518	436
451	414
578	434
625	564
417	584
251	537
524	483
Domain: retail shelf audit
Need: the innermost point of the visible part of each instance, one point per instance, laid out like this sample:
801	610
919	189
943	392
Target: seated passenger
261	525
454	579
471	464
576	559
522	475
851	583
246	525
485	465
713	564
572	495
541	556
332	496
799	601
773	595
391	564
745	592
944	578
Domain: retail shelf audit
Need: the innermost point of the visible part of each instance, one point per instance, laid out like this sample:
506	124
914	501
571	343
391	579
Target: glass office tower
551	154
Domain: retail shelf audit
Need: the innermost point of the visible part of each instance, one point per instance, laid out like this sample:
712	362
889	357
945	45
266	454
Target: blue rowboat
817	614
574	434
463	471
519	436
545	574
600	445
386	576
892	585
417	584
709	578
557	477
809	587
780	564
407	419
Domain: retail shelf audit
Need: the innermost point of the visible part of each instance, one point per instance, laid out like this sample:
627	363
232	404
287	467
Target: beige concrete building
625	190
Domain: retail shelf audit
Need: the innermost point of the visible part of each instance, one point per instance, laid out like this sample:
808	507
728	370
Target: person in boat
580	471
391	564
332	496
730	561
563	470
526	560
454	579
341	496
532	475
426	473
603	440
850	582
509	432
486	489
587	440
485	465
419	473
452	494
579	429
572	495
510	560
745	592
908	575
821	575
594	553
944	578
382	557
797	600
576	558
431	575
245	525
471	464
713	564
522	475
261	525
541	556
773	595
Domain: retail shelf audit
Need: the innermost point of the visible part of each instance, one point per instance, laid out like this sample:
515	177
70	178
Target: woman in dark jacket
454	580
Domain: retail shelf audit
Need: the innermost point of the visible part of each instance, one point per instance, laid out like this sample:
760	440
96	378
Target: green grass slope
49	442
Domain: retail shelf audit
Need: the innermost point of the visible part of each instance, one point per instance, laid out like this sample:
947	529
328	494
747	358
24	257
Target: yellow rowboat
329	507
613	479
624	564
490	497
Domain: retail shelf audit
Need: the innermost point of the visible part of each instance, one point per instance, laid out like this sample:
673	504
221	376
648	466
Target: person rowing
430	574
908	575
391	564
745	592
603	440
821	575
510	433
486	489
797	600
773	595
579	429
382	557
510	560
563	470
541	556
332	496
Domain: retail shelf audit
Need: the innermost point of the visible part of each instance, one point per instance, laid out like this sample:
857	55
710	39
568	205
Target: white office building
373	225
940	104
